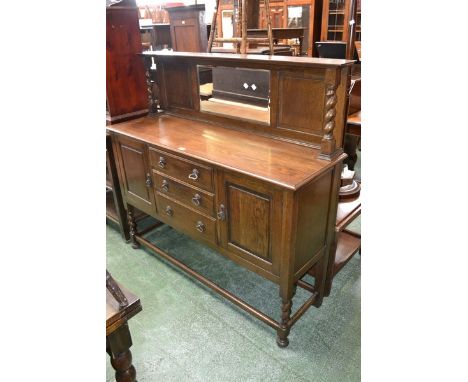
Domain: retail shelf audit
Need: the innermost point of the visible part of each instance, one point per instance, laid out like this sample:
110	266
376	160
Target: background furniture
265	195
159	35
126	93
118	338
281	34
285	14
336	26
188	28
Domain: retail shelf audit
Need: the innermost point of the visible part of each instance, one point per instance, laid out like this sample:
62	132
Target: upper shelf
246	59
281	163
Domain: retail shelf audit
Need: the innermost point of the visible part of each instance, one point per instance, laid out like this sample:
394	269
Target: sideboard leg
132	226
282	334
286	306
320	280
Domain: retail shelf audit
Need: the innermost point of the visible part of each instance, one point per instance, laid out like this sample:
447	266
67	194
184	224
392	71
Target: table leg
119	343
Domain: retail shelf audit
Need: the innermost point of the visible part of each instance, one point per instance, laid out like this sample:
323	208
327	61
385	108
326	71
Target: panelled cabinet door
249	224
136	179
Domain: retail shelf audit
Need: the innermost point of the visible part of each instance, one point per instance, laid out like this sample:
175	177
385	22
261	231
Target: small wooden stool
118	339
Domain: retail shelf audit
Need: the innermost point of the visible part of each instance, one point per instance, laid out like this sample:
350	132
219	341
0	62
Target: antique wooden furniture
263	194
281	34
347	243
341	21
188	28
125	74
241	39
159	35
286	14
121	305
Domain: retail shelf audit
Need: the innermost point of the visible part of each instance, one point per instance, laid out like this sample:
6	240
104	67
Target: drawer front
197	199
182	169
199	226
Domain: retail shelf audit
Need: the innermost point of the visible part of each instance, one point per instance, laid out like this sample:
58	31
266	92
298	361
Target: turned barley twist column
152	104
133	227
328	140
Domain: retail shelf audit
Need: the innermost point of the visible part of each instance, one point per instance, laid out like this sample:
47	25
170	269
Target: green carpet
186	332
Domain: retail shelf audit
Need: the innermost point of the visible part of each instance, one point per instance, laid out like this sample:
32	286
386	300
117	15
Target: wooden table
118	339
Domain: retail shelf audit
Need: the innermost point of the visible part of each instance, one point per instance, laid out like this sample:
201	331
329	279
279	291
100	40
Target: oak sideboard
263	193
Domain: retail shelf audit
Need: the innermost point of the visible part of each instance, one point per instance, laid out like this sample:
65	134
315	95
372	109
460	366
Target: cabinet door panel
249	221
251	224
134	174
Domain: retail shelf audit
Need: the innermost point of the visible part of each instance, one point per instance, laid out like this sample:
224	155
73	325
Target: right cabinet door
249	216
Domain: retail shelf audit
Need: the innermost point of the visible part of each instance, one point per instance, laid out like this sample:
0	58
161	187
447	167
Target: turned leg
283	332
132	227
119	344
124	370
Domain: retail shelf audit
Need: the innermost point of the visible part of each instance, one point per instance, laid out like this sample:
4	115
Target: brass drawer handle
194	174
149	181
222	212
200	226
169	211
196	199
165	185
162	162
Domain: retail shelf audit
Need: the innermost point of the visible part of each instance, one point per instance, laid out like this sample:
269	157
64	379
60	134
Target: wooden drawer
182	169
197	199
198	226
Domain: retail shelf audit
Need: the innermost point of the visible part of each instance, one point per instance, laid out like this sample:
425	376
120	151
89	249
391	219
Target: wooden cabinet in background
188	28
289	14
126	94
336	17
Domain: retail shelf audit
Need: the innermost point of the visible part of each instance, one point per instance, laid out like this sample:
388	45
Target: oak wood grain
281	163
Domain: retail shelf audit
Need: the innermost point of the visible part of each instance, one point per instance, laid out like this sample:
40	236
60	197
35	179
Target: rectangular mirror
235	92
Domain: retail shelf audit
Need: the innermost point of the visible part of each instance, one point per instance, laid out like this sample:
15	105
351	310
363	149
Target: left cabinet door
135	175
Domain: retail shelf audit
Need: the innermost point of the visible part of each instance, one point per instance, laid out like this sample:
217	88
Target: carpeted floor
188	333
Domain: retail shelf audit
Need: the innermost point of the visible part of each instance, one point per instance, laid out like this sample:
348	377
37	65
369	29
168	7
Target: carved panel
301	104
249	221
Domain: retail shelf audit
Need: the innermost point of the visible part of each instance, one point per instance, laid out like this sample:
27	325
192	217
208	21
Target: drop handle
169	211
200	226
196	199
194	174
165	185
162	162
221	213
149	181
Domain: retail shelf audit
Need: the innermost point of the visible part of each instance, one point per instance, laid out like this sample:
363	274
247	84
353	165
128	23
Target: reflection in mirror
235	92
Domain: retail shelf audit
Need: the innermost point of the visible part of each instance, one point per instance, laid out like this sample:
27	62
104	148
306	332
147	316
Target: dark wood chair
121	305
